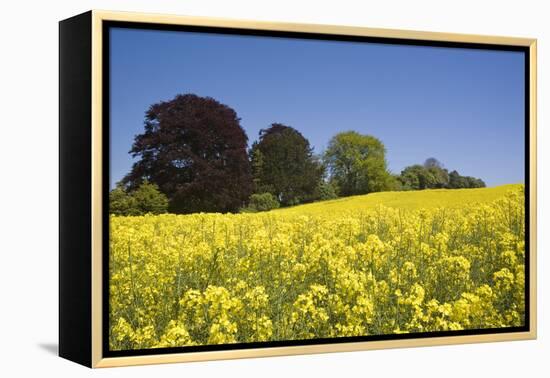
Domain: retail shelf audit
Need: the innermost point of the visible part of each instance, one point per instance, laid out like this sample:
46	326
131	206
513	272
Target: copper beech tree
194	149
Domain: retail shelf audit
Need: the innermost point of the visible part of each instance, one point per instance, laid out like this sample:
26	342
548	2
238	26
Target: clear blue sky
463	106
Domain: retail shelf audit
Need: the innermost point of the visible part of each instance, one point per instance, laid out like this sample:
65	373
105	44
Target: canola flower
199	279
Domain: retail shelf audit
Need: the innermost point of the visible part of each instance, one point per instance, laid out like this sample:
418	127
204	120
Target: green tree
121	203
326	191
475	182
145	199
149	199
257	164
432	175
417	177
262	202
456	181
440	176
394	183
284	165
357	163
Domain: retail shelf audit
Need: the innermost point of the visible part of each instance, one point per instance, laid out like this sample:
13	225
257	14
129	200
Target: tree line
193	157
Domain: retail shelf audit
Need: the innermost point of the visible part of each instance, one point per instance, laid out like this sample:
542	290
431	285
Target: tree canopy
261	202
192	157
433	175
146	199
194	149
284	165
149	199
120	203
357	164
456	181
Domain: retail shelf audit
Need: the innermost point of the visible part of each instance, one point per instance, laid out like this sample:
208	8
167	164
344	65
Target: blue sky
463	106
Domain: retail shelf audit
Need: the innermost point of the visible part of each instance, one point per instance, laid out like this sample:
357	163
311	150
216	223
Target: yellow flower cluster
180	280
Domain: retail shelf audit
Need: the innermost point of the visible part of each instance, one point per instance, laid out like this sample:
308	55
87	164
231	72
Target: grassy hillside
426	199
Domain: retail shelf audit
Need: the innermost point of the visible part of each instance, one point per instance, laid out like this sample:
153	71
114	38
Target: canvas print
268	190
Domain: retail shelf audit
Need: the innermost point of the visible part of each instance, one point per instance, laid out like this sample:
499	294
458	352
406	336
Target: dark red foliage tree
194	149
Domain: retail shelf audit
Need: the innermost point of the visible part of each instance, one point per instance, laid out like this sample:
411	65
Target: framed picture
235	189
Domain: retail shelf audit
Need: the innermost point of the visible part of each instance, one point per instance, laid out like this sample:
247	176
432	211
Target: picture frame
84	147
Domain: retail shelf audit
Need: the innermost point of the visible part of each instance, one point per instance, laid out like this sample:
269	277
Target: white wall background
29	189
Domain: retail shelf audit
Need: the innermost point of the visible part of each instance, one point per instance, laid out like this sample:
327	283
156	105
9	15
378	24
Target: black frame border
107	25
75	189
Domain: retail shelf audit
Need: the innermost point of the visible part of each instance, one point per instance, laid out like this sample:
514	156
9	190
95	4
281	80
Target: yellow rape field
385	263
